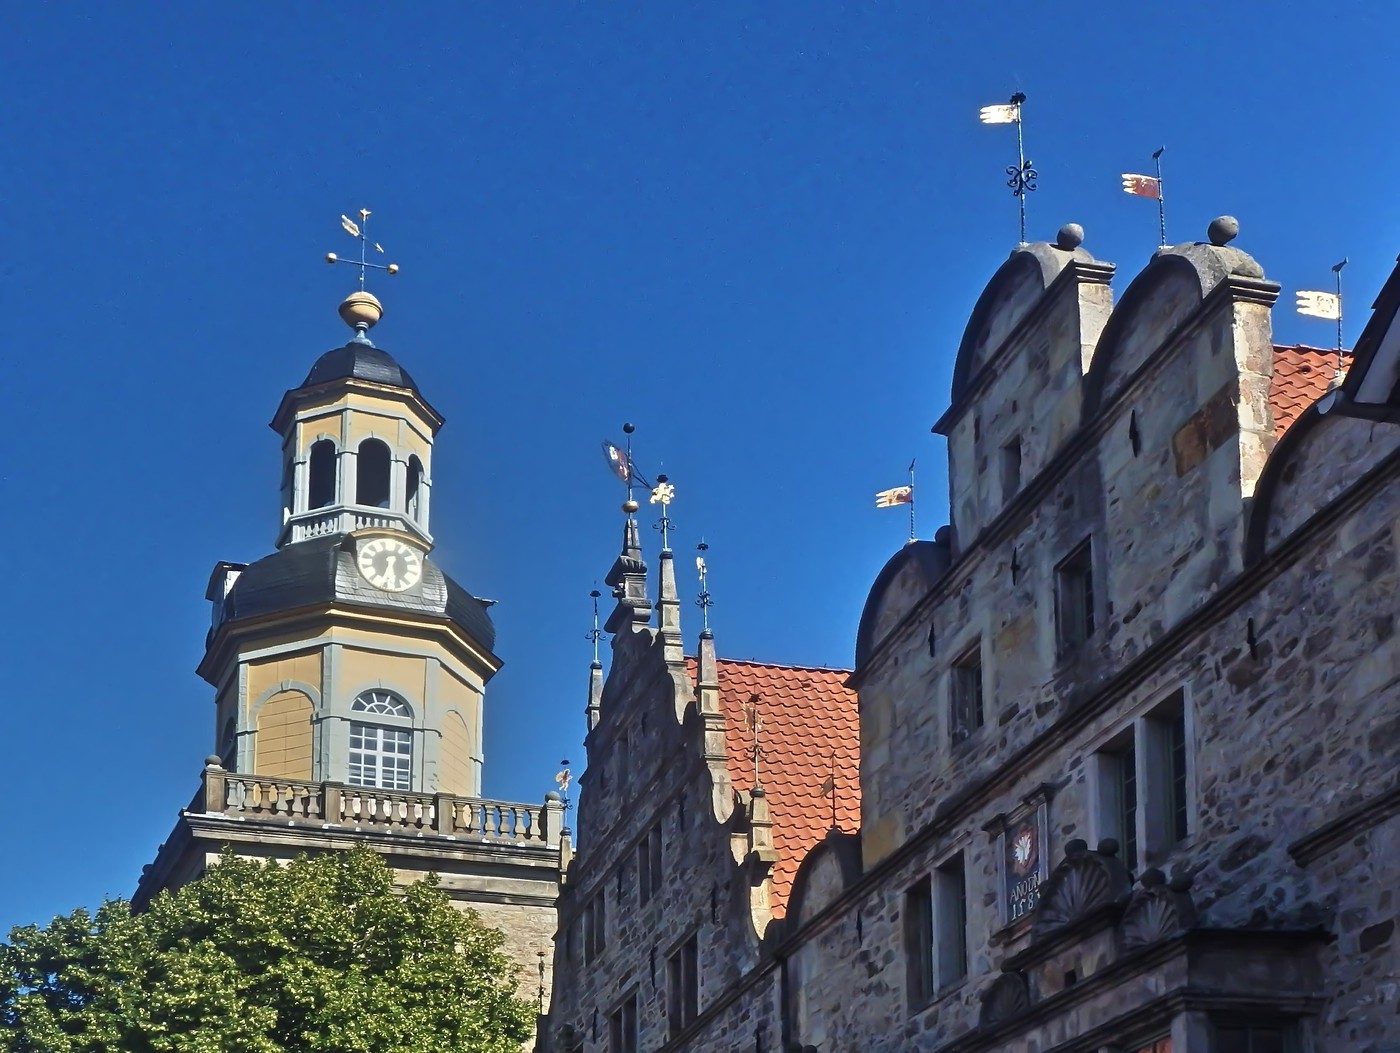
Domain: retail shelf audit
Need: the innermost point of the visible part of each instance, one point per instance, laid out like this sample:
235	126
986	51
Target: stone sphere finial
361	310
1223	230
552	796
1070	237
213	761
1109	846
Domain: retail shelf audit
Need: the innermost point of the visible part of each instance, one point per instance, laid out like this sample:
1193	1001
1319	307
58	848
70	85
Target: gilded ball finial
630	507
393	268
361	310
331	257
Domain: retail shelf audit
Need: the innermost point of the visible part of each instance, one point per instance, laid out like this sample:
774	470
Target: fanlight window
385	702
381	756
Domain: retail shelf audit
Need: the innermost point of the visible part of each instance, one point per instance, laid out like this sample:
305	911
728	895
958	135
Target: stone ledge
1331	835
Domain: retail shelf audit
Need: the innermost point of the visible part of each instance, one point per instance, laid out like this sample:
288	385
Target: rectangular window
1011	469
1144	788
1074	599
594	923
622	1031
1162	739
918	943
950	916
965	695
380	756
649	864
1236	1039
1161	1045
683	987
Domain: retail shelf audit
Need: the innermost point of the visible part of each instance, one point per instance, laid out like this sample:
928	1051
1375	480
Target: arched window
321	488
415	481
372	477
381	755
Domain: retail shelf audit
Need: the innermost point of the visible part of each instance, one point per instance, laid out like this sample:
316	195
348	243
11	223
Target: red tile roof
1301	376
808	718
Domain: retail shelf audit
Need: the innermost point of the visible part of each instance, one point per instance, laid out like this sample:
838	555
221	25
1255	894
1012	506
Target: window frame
1075	614
624	1032
952	955
683	985
920	977
967	694
1160	737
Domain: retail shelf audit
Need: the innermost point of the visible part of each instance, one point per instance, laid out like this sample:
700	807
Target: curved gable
1317	460
1008	298
901	583
1161	298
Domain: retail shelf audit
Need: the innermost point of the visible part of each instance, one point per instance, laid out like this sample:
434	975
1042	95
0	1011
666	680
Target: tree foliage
319	955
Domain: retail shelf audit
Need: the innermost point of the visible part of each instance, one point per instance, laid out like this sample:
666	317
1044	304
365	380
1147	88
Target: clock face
389	564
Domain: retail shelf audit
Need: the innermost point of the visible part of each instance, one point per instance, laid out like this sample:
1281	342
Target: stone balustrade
369	808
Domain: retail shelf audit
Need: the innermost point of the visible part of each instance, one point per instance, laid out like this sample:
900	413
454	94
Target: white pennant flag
1004	113
899	495
1317	304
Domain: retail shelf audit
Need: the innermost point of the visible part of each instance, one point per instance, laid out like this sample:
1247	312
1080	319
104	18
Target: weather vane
1153	188
1328	306
755	720
620	464
595	634
703	601
359	231
1023	174
563	781
663	493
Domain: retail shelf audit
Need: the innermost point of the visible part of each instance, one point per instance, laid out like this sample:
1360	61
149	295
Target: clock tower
347	655
349	671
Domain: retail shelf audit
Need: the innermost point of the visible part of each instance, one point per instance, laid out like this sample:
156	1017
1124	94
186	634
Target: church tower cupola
357	441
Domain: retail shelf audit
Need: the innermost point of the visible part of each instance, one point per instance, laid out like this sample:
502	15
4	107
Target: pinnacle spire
628	579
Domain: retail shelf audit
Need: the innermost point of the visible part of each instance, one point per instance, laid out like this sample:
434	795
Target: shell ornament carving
1157	911
1083	881
1007	996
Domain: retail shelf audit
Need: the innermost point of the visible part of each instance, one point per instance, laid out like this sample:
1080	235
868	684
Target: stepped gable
807	715
1301	377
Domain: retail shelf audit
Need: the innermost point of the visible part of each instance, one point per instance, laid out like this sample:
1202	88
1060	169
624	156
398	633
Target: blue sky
754	230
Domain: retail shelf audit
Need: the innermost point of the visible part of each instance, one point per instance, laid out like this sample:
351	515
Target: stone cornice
1336	832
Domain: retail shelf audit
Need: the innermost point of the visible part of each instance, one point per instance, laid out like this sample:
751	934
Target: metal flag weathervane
359	231
1023	174
900	495
1150	187
1328	306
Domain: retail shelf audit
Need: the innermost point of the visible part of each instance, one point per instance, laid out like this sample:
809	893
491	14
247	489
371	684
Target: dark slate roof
323	570
361	361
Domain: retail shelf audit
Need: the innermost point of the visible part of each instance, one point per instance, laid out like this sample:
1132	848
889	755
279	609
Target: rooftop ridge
777	665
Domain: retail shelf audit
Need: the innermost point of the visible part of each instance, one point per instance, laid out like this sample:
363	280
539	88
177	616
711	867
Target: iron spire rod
1337	270
913	498
1020	168
1161	196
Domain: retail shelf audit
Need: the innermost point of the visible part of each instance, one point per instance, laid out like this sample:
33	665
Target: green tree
319	955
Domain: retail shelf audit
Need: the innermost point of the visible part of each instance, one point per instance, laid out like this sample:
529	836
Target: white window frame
380	754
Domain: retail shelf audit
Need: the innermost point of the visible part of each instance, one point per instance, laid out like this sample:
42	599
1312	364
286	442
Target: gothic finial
703	601
361	310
